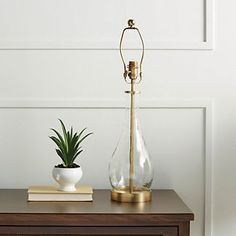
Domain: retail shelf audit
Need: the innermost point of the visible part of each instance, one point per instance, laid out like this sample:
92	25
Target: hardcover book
51	193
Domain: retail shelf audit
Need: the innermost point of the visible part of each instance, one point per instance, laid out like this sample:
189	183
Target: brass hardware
133	70
131	64
131	142
134	92
135	196
131	23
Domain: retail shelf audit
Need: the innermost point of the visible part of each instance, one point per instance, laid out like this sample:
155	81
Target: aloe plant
68	145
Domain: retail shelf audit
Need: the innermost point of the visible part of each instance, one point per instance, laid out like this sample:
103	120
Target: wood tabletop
165	215
163	202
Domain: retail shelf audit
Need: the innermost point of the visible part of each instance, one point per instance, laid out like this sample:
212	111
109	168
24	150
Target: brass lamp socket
133	70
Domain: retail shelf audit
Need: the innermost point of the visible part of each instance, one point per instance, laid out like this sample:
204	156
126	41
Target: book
51	193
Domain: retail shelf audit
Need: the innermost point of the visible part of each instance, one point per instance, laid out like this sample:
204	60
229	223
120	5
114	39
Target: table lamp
130	168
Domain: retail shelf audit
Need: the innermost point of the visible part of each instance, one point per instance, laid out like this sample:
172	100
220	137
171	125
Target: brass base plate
136	196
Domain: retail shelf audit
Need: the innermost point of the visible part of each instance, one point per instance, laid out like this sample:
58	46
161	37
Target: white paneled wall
56	62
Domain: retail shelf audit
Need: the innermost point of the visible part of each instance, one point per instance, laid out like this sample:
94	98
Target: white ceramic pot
67	178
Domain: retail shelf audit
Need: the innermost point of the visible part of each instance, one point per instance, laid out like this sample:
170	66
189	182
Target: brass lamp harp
131	70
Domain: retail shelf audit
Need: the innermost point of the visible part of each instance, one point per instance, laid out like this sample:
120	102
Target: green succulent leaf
64	132
77	154
59	144
82	139
61	156
81	132
71	131
61	140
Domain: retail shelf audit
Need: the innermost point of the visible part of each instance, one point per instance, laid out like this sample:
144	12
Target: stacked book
51	193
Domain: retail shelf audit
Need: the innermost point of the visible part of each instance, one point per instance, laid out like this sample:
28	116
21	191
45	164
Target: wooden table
166	215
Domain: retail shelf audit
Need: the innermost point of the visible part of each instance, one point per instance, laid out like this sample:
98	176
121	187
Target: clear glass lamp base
130	168
127	196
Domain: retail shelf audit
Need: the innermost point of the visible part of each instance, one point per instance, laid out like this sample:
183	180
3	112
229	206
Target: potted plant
68	173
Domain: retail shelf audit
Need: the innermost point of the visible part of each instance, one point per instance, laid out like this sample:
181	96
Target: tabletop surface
163	202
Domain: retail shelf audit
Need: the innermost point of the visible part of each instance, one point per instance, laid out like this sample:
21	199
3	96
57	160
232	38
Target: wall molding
206	44
101	103
204	104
